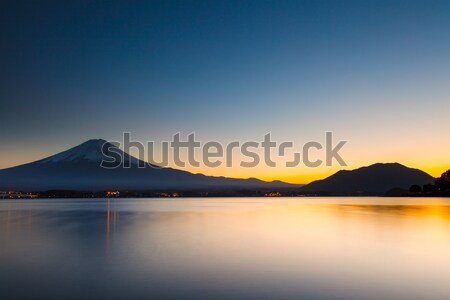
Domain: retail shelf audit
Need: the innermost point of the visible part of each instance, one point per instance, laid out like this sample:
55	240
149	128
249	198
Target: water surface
225	248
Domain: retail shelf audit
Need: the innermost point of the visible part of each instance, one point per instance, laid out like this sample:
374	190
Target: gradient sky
375	73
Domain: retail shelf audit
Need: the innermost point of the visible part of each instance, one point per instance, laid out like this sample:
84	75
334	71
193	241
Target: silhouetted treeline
170	193
441	187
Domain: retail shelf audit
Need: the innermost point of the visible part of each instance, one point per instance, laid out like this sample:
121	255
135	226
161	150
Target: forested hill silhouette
375	179
79	169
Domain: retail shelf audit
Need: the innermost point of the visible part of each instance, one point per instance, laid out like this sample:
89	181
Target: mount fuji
79	169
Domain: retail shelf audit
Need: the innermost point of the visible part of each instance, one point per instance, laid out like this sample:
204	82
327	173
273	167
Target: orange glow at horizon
427	154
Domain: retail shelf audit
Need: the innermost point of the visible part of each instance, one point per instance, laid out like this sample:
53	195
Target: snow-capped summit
90	150
94	151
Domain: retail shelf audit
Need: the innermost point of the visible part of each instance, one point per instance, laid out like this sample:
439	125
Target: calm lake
225	248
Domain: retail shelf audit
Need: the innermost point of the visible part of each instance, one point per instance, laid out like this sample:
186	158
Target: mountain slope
79	169
372	180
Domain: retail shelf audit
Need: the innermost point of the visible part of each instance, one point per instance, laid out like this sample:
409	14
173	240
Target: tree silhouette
443	182
429	188
415	188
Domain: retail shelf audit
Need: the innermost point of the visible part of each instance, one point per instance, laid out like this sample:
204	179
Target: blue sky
376	73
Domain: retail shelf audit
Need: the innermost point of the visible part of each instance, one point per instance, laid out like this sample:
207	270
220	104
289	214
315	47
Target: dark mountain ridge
375	179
